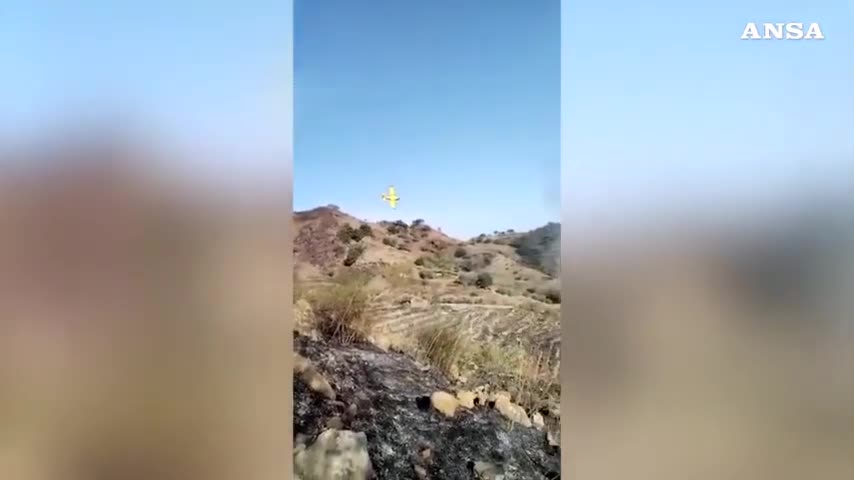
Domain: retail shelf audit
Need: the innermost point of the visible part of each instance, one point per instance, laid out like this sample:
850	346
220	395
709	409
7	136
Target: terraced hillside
420	278
505	324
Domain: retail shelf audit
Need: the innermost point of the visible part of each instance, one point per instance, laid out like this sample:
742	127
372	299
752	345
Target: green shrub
460	252
419	261
552	295
389	241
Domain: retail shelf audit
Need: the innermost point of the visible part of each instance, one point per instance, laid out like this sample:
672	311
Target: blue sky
212	79
664	107
457	104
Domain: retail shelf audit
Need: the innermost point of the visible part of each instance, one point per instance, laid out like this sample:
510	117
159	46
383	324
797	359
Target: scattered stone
350	414
538	421
382	342
552	440
421	472
301	439
512	412
481	395
488	471
466	399
444	402
499	396
335	423
336	454
454	371
309	375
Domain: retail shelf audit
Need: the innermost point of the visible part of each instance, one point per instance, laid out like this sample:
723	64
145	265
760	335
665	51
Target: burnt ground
391	392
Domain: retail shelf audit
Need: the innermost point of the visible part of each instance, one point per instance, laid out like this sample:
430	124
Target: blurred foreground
142	320
708	350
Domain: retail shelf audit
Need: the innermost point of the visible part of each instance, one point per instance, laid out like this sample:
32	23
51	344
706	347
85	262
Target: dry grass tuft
339	310
442	347
528	374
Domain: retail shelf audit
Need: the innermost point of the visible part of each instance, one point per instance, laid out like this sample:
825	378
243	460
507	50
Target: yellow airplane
391	197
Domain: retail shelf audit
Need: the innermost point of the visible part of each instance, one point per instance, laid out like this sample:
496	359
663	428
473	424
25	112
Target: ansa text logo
782	31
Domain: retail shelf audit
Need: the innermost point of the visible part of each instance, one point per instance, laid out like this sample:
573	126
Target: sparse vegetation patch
483	280
353	254
339	309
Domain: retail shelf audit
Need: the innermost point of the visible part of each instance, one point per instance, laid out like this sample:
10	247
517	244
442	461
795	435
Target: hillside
522	266
425	316
538	248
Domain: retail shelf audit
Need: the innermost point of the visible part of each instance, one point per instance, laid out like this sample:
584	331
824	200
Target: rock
552	440
466	399
350	414
481	395
336	454
488	471
512	412
538	421
309	375
381	341
454	371
444	402
335	423
301	439
421	472
499	396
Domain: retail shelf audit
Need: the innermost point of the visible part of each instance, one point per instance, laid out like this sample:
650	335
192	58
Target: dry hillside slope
421	278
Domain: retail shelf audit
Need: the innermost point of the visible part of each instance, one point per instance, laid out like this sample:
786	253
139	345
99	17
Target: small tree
484	280
353	254
346	233
365	231
552	295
